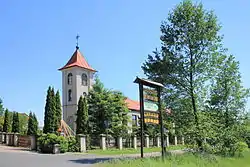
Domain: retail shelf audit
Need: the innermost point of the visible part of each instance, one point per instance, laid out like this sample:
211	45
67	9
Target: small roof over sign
147	82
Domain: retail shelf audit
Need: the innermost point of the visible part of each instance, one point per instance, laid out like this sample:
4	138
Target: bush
73	145
63	142
247	138
46	142
240	147
47	139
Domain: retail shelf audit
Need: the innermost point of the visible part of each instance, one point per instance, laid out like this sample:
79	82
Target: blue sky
38	37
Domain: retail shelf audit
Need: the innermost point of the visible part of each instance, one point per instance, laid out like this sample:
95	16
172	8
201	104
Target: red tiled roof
135	105
77	60
132	104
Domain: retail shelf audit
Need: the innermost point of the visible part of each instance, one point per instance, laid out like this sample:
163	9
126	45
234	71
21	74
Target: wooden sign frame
158	87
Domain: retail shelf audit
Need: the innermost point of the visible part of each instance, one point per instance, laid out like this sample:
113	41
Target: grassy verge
186	160
131	150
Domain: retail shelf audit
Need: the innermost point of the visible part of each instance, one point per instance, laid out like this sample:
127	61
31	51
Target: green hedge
73	144
46	142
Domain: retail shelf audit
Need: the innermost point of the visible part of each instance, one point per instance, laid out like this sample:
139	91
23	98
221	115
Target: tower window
84	80
84	94
69	95
70	78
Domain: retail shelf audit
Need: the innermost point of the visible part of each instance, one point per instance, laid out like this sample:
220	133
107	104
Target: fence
24	141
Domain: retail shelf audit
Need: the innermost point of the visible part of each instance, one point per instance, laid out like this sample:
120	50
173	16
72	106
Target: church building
77	80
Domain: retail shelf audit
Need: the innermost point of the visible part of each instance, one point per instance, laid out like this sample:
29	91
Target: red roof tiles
132	104
77	60
135	105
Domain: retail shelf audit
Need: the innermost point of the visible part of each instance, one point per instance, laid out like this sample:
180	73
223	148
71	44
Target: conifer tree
49	115
35	124
1	107
15	123
6	125
82	117
58	113
32	124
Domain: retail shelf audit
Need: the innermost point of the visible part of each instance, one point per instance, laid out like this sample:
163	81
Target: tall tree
227	103
23	123
49	114
35	124
6	125
107	111
227	93
118	112
1	115
1	107
1	123
58	110
32	124
190	39
15	123
82	117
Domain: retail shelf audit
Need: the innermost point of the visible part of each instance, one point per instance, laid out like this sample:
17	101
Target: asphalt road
11	157
18	157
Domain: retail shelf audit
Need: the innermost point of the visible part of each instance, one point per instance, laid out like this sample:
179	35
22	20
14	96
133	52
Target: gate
24	141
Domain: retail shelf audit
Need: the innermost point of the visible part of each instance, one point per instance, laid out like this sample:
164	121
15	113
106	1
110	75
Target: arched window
84	80
70	78
84	94
69	95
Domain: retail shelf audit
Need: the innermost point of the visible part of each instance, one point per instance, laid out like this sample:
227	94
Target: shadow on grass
90	160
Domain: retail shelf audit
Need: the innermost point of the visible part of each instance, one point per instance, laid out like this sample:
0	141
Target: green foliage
23	123
48	140
15	123
6	125
73	144
185	160
63	142
108	112
190	38
1	107
32	124
58	112
203	84
82	117
50	112
1	115
1	123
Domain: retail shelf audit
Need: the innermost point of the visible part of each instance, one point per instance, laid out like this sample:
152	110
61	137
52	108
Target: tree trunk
192	67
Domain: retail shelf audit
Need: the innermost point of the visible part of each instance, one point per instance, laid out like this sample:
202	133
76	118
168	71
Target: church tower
77	80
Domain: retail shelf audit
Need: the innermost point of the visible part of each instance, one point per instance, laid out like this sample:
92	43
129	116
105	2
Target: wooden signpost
151	100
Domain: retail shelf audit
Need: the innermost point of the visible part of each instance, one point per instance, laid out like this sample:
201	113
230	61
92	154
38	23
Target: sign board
151	117
151	94
151	105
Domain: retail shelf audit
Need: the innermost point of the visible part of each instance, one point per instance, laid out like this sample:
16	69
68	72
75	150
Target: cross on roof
77	39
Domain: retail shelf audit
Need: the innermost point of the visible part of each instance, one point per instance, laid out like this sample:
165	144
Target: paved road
18	157
13	157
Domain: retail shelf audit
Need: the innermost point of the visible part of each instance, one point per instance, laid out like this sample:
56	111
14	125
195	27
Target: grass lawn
185	160
131	150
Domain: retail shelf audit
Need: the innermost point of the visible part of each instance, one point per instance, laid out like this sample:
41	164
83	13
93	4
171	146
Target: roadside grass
185	160
113	151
